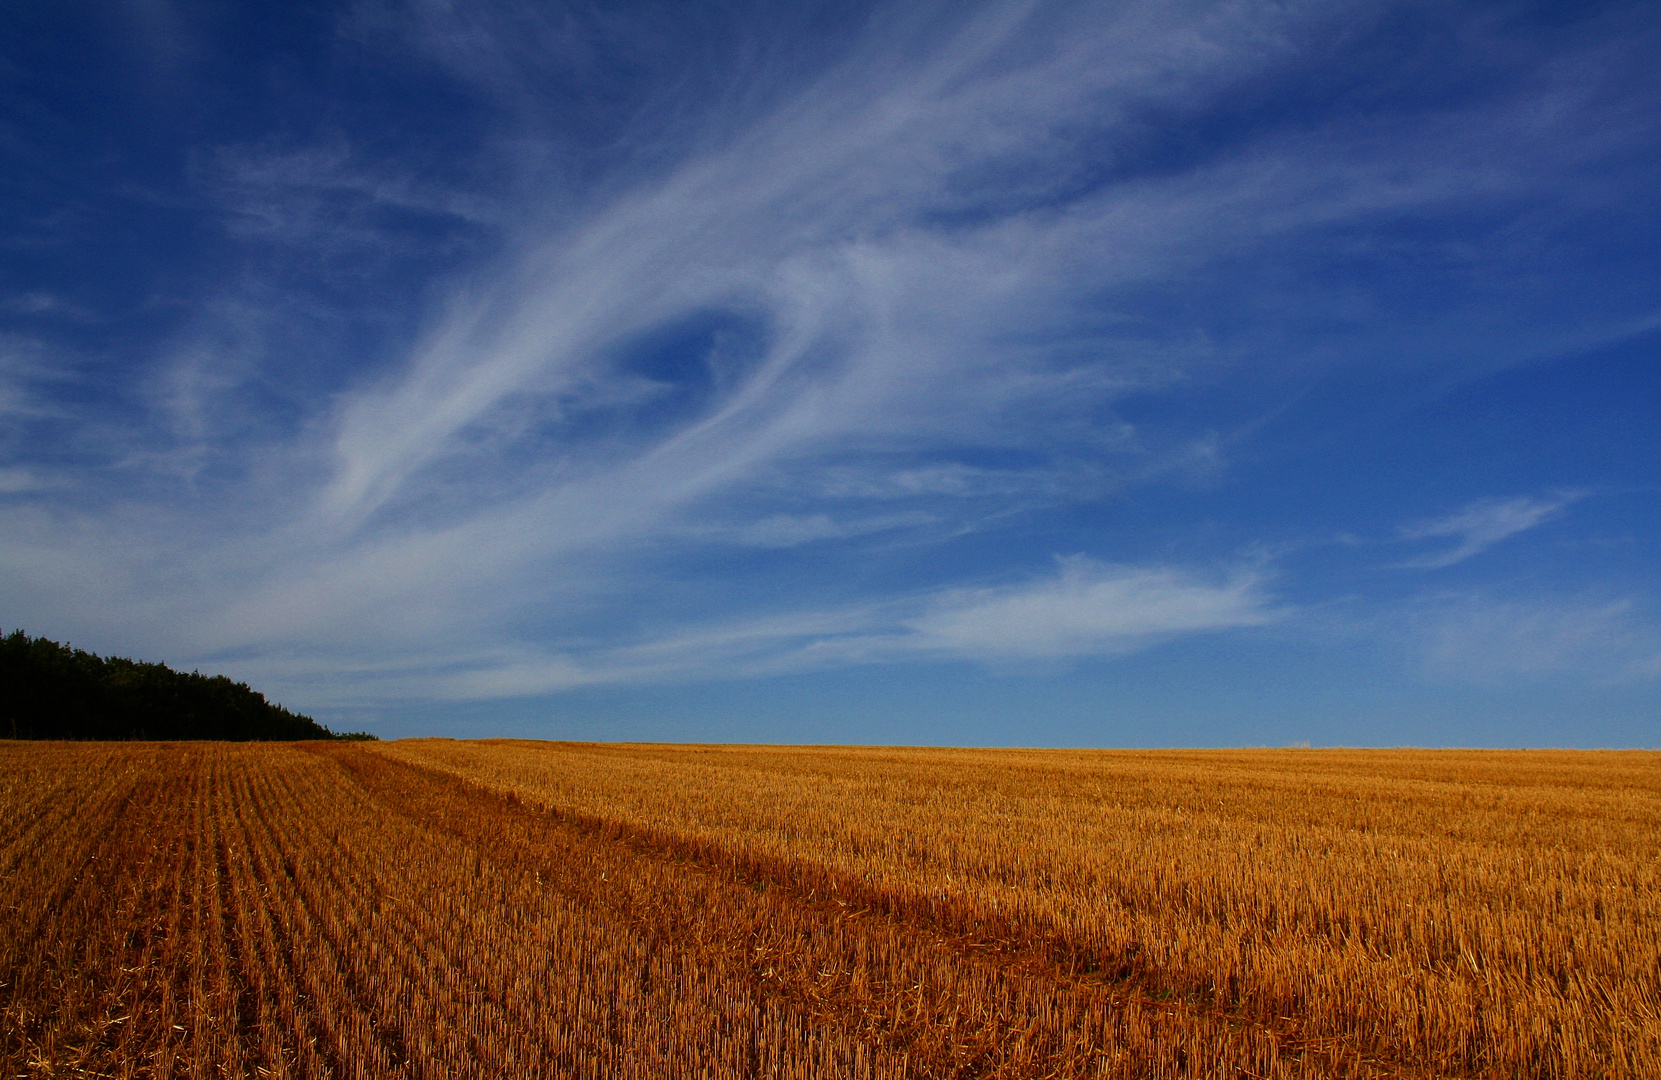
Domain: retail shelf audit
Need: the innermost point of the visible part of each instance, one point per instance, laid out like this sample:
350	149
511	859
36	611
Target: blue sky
1016	373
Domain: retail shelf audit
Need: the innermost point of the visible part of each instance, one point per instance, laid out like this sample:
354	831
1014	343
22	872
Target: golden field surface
445	909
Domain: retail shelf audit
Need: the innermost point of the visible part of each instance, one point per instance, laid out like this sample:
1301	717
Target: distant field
449	909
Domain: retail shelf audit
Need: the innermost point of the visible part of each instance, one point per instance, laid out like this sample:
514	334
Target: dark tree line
51	691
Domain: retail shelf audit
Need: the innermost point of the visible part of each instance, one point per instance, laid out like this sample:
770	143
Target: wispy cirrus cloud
1086	608
1480	525
18	481
38	302
872	329
1591	640
683	314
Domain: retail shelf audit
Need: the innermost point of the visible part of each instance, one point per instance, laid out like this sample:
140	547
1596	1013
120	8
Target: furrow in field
236	975
618	1002
506	937
339	1033
72	989
57	862
144	930
265	1000
38	805
896	979
470	910
1476	912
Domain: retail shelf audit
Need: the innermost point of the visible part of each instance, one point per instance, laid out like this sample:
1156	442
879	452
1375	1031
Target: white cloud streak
16	481
1086	608
901	311
46	304
1594	641
877	329
1482	524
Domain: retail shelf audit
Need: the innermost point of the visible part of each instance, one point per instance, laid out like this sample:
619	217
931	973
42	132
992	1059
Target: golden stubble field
446	909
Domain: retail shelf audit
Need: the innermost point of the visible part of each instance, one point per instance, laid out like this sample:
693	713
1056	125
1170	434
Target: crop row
1461	913
329	910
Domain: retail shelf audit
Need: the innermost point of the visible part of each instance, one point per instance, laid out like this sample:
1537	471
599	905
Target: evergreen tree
51	691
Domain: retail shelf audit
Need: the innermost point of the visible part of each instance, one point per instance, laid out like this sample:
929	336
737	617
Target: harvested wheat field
450	909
